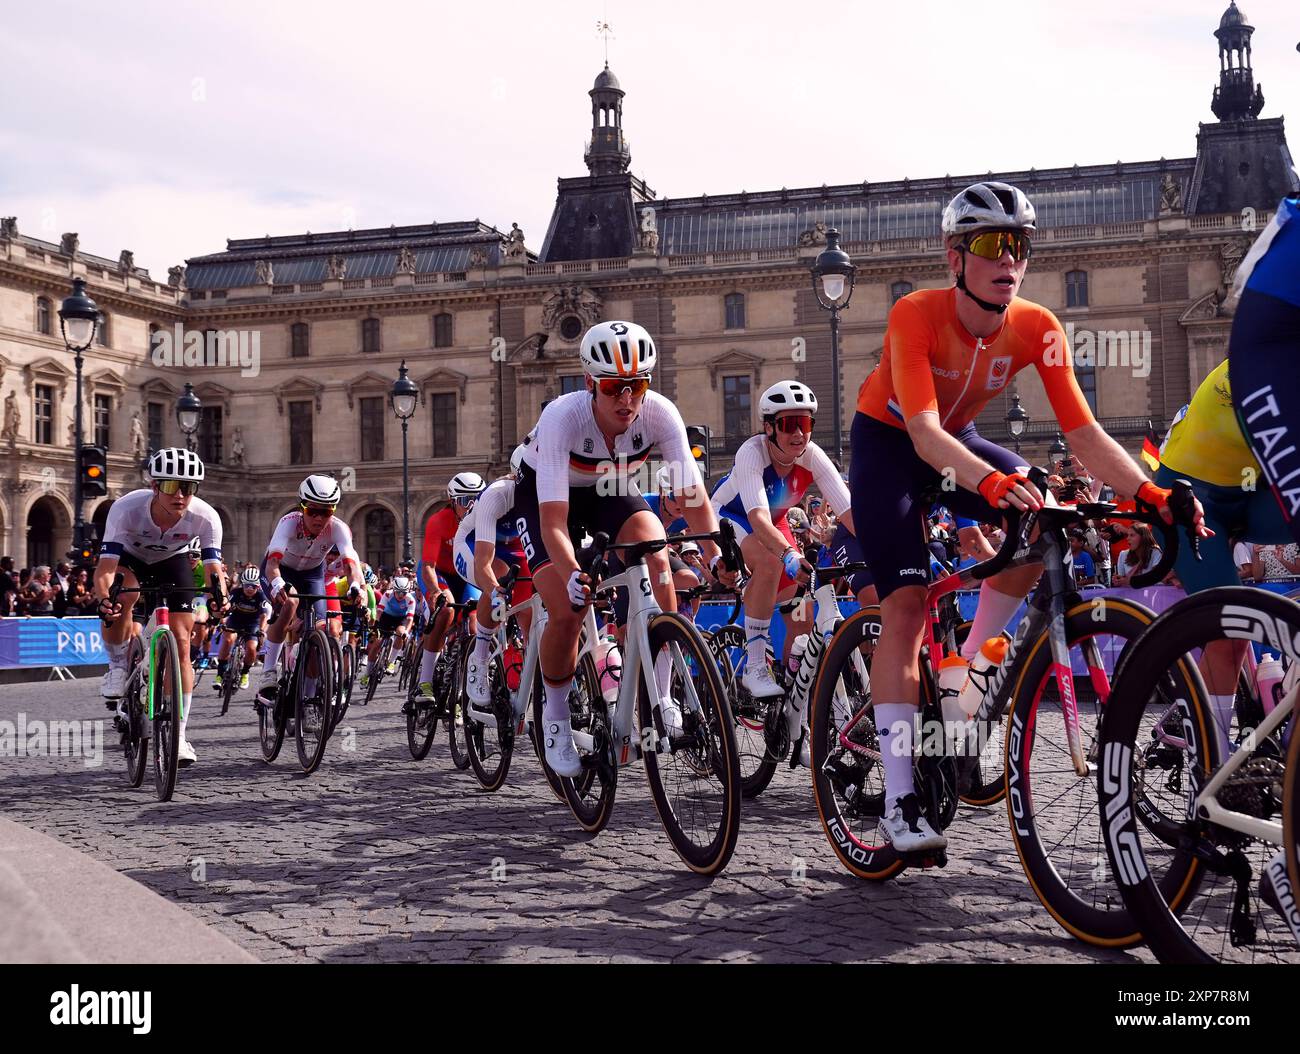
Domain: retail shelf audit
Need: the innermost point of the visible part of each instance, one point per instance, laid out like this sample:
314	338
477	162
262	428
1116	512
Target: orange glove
994	487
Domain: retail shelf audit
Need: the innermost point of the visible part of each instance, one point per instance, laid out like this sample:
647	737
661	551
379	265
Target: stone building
1134	257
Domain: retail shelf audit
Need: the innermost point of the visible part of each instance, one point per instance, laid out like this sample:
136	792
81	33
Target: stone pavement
379	857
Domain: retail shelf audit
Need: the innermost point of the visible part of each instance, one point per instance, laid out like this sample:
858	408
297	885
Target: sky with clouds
167	127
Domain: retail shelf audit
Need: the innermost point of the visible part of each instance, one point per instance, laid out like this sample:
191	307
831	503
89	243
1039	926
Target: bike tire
455	707
709	756
166	711
135	742
421	723
315	708
590	796
491	744
1186	931
229	676
1291	806
757	765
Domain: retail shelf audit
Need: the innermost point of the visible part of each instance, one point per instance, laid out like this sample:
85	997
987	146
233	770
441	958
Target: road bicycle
234	669
423	716
1040	703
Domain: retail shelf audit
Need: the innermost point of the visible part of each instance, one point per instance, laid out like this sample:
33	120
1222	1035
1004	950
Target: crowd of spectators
45	592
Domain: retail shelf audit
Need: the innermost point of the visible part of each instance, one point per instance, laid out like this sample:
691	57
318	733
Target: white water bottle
797	647
953	671
1268	677
983	667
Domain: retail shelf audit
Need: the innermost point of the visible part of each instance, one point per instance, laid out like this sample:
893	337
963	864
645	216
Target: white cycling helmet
517	458
618	349
466	485
787	395
250	576
401	584
320	490
176	462
988	206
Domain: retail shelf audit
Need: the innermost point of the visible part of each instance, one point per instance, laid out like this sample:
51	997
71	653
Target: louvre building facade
1134	257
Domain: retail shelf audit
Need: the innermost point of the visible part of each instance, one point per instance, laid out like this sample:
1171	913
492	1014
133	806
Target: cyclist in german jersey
295	557
147	537
487	545
577	473
772	472
438	571
947	353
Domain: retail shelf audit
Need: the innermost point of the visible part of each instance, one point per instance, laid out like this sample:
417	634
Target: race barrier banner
26	642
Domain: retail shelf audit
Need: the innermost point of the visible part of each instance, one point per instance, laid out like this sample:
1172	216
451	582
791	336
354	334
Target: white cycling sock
991	617
272	653
1222	707
557	700
186	699
664	673
482	643
756	642
428	660
116	654
894	724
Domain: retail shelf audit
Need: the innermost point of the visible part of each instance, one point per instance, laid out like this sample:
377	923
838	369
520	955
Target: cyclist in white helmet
295	563
147	537
586	446
772	473
437	574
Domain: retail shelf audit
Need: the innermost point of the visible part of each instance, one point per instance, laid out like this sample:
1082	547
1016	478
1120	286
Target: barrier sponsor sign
51	642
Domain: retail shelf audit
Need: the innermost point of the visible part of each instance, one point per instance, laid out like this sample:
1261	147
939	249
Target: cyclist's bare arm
949	457
430	576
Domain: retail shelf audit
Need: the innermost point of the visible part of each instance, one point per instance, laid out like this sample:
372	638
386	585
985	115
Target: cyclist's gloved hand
795	564
109	609
1004	491
354	592
579	591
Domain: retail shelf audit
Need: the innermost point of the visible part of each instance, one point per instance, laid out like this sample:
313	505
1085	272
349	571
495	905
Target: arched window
1076	288
899	290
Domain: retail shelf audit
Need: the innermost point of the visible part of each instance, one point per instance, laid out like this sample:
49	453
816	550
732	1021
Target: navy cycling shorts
1264	374
892	489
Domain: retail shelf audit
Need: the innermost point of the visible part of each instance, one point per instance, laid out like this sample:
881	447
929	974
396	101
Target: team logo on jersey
636	441
999	371
587	446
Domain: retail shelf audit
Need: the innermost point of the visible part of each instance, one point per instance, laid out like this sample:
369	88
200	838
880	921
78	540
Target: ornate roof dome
1233	17
608	80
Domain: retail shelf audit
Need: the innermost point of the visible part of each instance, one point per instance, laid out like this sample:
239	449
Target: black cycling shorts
388	623
174	571
589	511
1264	374
887	482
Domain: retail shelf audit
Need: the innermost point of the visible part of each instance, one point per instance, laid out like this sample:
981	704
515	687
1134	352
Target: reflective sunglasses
178	486
465	503
990	245
317	510
615	386
795	423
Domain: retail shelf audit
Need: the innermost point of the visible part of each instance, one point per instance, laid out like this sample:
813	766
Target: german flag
1151	449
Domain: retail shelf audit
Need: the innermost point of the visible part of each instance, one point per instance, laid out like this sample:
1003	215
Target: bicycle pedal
925	859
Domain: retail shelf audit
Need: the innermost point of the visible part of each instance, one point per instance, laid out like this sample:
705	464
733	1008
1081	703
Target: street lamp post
188	411
78	319
1057	450
833	277
403	396
1017	421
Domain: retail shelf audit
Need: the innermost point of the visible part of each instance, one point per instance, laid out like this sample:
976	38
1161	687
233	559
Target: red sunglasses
615	386
795	423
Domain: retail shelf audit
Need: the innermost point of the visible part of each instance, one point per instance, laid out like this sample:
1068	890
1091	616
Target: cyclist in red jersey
947	353
438	569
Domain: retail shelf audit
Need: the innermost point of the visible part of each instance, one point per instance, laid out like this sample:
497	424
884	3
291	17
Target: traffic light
94	471
85	545
697	439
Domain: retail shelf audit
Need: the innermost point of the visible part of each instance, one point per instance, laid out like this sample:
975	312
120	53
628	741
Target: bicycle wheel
165	691
847	771
1226	915
696	784
455	708
986	781
135	734
589	796
422	717
1291	807
343	666
491	744
313	700
753	717
378	669
1052	810
230	674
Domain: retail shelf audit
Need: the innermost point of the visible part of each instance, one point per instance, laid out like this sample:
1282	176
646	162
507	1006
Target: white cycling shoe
561	754
185	753
268	679
907	828
476	690
113	684
758	682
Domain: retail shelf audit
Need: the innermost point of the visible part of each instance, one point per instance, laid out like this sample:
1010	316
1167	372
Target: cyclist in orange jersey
947	353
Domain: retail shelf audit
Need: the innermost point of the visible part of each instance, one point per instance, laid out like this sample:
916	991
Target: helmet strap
997	309
772	441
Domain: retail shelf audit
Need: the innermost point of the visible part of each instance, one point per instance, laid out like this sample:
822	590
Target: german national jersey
931	363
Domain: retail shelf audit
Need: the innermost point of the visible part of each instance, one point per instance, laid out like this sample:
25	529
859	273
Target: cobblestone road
378	857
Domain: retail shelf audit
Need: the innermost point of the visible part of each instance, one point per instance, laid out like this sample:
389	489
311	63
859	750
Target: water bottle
609	669
983	669
1268	677
797	647
953	672
805	653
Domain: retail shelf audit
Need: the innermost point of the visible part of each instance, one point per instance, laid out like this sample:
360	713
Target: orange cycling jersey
930	362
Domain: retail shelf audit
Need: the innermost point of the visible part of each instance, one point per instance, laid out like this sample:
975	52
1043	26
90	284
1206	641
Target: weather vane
604	30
